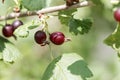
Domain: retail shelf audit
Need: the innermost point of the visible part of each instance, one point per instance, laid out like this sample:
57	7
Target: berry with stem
57	38
40	37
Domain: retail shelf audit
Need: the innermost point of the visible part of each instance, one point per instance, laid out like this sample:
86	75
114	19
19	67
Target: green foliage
65	15
113	40
80	68
48	73
33	5
76	26
79	26
67	67
8	52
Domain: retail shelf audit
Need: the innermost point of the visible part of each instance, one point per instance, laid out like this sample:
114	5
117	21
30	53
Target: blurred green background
101	59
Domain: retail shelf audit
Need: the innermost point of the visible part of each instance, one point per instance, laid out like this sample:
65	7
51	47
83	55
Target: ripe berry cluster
117	15
57	38
40	36
8	29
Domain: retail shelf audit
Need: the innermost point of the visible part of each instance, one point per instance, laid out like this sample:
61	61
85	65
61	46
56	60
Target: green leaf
113	40
79	26
65	16
80	68
33	4
48	73
8	52
76	26
23	30
67	67
68	12
33	24
73	26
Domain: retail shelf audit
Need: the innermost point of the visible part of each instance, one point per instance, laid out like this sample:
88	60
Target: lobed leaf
79	26
22	31
8	52
76	26
113	40
48	72
67	67
65	16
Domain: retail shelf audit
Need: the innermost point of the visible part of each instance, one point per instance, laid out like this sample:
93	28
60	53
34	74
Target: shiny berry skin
17	23
117	15
8	30
57	38
40	37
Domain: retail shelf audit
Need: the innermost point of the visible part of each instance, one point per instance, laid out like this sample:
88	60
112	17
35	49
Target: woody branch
46	10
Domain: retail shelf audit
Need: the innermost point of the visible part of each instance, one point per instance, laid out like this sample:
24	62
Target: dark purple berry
57	38
17	23
40	37
8	30
117	15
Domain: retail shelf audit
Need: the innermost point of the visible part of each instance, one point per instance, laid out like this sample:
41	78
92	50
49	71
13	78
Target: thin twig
46	10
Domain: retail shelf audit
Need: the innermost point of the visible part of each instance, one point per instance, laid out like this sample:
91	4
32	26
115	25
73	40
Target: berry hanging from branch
8	30
17	23
57	38
40	38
